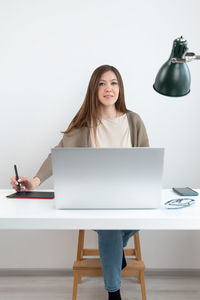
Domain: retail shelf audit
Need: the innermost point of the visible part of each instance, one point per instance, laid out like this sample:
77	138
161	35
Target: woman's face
108	90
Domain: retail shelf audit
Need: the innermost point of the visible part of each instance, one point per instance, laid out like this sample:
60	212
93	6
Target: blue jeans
111	243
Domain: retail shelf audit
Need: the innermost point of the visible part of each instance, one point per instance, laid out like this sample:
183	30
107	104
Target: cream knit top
112	133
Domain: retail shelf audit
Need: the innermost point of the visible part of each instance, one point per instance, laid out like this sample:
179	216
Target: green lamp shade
173	79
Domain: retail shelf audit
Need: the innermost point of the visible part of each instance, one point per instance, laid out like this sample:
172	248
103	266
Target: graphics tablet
32	195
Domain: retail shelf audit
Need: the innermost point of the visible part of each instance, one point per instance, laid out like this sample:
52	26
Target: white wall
48	50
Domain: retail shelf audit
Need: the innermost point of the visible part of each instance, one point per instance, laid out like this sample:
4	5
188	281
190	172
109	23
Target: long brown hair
89	112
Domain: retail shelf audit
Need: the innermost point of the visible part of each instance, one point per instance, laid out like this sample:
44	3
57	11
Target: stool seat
90	266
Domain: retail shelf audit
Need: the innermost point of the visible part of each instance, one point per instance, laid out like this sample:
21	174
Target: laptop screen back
107	178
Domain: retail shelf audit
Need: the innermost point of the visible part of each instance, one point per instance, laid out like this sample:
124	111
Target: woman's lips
108	96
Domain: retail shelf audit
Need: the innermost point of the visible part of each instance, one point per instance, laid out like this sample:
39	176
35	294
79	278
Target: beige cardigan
81	138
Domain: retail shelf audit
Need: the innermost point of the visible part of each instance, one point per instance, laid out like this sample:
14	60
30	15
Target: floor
162	287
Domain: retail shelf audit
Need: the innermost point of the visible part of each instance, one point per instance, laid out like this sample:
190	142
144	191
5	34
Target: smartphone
185	191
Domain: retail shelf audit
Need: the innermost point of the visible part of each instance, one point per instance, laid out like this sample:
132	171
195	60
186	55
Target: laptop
107	178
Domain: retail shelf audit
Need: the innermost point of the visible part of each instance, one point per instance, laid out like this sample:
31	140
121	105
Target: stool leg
142	282
74	295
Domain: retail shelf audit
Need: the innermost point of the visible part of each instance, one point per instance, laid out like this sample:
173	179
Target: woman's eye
101	83
114	82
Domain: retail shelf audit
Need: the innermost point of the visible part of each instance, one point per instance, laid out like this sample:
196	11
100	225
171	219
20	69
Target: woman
102	121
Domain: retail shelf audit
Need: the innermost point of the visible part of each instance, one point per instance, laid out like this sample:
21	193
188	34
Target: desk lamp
173	78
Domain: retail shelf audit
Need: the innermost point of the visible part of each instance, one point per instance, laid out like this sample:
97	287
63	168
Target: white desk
41	214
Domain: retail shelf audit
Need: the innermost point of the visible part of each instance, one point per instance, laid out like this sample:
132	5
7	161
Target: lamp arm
187	57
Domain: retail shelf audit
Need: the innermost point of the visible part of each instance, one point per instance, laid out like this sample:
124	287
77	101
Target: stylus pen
17	178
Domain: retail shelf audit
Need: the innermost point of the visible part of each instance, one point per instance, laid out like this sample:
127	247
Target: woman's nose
108	88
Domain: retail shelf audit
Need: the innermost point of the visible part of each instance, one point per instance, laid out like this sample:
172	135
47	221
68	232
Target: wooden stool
92	266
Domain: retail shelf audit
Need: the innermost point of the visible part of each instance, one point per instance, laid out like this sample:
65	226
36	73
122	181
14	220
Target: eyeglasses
179	203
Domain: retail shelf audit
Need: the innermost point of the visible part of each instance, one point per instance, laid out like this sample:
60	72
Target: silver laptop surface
107	178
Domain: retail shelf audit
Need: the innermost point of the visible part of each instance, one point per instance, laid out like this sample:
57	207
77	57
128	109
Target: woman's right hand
26	184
